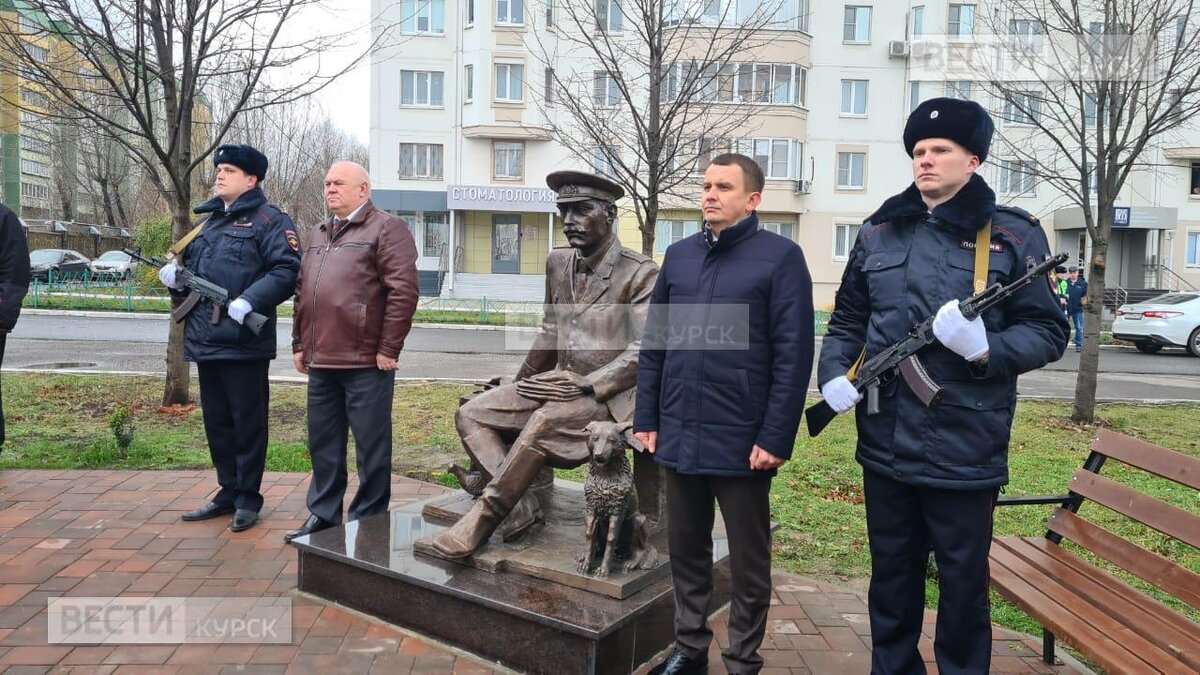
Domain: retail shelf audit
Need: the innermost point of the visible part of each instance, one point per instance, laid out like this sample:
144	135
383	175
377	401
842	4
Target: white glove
840	394
968	339
238	309
166	274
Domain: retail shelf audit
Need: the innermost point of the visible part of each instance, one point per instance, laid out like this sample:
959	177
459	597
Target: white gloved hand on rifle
166	274
968	339
238	309
840	394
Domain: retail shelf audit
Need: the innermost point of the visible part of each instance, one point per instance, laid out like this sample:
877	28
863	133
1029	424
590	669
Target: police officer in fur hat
251	249
931	475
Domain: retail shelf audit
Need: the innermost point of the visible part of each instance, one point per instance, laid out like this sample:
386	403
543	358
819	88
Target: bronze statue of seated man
582	367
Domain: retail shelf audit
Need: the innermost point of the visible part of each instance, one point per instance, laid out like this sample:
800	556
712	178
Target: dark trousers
358	400
903	523
3	342
746	510
234	396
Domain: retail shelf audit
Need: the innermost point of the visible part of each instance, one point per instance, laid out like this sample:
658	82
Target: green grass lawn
60	421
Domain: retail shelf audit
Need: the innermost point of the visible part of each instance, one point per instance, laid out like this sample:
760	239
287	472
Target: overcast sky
347	99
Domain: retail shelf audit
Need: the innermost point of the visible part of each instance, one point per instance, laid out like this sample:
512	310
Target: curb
93	314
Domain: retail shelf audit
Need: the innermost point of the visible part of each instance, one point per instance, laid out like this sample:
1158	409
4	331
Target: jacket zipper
329	247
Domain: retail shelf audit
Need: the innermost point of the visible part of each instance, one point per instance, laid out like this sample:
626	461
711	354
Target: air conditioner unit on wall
803	186
897	49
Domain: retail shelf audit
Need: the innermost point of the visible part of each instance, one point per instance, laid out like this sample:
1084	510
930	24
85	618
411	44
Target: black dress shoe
243	519
206	512
313	524
678	663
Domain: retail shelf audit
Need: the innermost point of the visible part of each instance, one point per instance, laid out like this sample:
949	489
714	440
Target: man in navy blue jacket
250	248
931	475
721	412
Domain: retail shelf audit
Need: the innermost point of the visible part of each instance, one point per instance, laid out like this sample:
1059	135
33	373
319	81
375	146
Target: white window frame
1015	180
766	151
861	34
435	226
432	12
1191	259
850	106
424	88
508	154
914	95
849	170
432	152
33	167
510	81
918	21
613	20
510	12
957	89
1029	100
610	95
674	230
844	236
468	83
957	28
601	164
470	13
778	228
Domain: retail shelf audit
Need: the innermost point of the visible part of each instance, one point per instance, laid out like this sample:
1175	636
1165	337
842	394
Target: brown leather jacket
356	295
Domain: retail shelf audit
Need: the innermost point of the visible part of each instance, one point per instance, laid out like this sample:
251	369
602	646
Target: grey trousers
341	401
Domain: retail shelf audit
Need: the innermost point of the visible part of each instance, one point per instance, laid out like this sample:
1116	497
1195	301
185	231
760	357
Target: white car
1171	320
115	264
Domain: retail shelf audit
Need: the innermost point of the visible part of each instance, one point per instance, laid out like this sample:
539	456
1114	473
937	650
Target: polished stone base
551	551
521	621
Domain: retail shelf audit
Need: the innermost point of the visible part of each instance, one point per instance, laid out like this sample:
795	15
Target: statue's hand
554	385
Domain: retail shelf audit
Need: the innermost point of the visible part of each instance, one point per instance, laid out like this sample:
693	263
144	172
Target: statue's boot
526	514
499	498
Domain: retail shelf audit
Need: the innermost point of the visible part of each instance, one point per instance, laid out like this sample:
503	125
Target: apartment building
460	147
26	151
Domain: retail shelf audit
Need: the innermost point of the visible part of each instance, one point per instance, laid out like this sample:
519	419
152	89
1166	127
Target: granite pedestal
519	613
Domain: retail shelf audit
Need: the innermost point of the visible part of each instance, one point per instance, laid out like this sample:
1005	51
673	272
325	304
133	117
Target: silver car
1171	320
116	264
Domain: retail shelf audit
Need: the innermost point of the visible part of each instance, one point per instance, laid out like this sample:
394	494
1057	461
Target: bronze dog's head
605	439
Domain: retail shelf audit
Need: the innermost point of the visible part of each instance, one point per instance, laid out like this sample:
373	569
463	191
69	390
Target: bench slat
1111	646
1181	468
1150	567
1171	632
1169	520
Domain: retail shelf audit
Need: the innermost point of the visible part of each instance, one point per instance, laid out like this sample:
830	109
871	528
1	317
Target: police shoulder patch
293	239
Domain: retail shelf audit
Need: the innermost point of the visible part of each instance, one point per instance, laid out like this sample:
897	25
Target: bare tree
650	89
1085	91
146	71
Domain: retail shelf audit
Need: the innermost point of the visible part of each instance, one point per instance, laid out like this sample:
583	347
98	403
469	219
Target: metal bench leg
1048	647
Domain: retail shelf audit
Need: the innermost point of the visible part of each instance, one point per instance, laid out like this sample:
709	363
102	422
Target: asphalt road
79	342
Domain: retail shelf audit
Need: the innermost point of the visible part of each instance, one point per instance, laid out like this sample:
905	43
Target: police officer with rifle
228	275
935	455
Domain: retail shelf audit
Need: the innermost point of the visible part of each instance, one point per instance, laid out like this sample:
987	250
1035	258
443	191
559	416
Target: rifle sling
176	249
983	247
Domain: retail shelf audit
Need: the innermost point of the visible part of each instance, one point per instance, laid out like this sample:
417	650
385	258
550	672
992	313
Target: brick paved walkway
107	533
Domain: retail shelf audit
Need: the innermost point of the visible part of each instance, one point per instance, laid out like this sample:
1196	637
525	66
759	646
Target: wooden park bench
1117	627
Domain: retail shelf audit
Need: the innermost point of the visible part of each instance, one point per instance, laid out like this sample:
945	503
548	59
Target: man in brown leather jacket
355	299
581	367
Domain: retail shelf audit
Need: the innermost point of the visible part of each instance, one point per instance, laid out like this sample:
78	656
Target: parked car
44	261
1171	320
116	264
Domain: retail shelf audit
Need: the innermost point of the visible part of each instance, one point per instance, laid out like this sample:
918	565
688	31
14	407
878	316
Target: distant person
1060	287
1077	301
14	282
249	248
355	300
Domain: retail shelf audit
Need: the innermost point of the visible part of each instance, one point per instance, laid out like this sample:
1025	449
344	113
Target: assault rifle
902	356
201	289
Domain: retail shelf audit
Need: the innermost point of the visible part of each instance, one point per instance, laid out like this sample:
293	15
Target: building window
844	236
962	21
1193	250
918	21
707	148
914	96
36	98
33	167
508	160
667	232
960	89
39	54
854	98
31	143
850	170
1021	107
28	25
785	230
470	12
602	162
608	16
510	12
468	83
508	82
1027	34
421	88
605	91
1016	178
34	191
856	27
1195	187
548	95
437	233
549	13
420	160
423	16
778	157
765	83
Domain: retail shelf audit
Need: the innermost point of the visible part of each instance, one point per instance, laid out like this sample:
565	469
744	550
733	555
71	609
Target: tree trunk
106	197
176	389
1089	359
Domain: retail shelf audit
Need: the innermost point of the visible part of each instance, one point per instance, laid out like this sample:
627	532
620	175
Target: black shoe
206	512
313	524
243	519
678	663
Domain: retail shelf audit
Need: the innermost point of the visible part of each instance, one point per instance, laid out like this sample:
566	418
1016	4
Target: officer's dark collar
252	199
730	236
968	210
